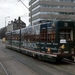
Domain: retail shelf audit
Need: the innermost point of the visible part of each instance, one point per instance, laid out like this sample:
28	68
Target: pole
28	9
24	4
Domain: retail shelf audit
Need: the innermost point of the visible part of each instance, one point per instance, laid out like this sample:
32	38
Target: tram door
43	37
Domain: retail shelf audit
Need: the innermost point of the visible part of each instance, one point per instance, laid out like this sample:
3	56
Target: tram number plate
65	51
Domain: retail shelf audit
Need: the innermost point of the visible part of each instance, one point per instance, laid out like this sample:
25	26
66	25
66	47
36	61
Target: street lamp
5	21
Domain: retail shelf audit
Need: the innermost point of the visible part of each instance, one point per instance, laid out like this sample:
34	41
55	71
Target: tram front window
65	35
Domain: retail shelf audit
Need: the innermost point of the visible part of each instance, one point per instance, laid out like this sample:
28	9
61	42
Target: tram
50	41
8	39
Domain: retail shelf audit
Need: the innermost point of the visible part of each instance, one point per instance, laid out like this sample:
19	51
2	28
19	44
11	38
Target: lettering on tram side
55	43
26	44
49	43
42	47
37	42
49	27
42	43
53	48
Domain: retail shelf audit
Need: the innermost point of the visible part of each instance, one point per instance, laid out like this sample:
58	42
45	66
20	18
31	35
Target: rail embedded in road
74	58
4	70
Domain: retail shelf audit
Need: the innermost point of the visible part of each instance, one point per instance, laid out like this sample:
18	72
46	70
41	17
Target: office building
48	10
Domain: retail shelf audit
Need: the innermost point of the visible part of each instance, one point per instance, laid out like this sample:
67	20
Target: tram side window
43	35
37	36
28	37
24	36
8	37
66	35
50	35
15	37
33	35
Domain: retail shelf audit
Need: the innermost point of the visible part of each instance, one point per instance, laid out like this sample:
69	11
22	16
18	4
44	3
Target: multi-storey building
16	24
47	10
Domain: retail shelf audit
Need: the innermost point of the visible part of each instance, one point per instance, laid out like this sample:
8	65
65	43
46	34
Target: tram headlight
72	50
59	51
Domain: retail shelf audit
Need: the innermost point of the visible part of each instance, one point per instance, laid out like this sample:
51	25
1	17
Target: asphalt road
40	67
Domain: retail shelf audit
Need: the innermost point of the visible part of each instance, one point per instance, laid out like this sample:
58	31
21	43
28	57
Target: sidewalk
12	66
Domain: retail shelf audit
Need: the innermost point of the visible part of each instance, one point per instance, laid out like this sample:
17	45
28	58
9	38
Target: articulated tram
50	41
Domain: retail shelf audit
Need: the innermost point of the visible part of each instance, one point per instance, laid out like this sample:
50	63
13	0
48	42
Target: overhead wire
24	4
10	11
2	4
13	9
25	14
1	7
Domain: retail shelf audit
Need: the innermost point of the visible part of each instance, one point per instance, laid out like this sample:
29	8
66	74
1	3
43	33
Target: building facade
9	27
16	24
48	10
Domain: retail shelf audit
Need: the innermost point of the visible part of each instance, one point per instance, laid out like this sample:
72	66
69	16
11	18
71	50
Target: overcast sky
14	9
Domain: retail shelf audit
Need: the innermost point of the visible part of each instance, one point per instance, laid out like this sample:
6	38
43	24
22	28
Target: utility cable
24	4
2	4
13	8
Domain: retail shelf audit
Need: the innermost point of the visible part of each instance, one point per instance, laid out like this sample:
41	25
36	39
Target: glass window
31	34
43	35
65	35
51	35
15	37
37	33
24	35
8	37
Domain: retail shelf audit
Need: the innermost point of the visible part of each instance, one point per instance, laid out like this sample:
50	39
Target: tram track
68	61
64	60
4	69
42	68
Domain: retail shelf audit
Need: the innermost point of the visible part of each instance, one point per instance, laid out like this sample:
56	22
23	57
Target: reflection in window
15	37
31	34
